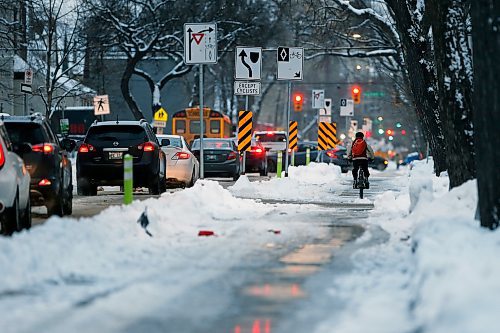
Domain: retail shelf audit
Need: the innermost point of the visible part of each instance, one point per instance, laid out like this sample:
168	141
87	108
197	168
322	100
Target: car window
214	144
174	141
126	135
32	133
271	137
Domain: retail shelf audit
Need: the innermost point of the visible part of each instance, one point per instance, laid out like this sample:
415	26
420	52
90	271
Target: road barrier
279	163
128	179
308	156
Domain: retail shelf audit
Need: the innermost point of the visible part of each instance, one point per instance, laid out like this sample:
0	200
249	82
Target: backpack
358	148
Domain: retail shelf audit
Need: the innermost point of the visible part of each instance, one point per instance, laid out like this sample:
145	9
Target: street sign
159	124
318	99
200	43
28	76
248	63
290	63
64	125
26	88
244	130
346	107
324	116
161	115
328	105
246	88
101	105
327	135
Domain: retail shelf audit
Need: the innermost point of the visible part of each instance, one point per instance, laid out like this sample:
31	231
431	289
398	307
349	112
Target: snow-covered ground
438	272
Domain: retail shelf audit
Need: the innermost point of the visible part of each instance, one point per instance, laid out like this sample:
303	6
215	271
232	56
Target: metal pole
202	169
288	126
244	152
25	105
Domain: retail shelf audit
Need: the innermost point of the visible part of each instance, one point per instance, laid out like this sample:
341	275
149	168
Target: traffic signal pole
202	168
288	126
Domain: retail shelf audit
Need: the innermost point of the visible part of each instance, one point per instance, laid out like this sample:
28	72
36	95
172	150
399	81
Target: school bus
187	123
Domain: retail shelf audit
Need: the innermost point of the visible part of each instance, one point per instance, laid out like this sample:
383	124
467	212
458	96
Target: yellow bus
187	123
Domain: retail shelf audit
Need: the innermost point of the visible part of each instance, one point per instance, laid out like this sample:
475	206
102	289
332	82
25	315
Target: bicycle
361	182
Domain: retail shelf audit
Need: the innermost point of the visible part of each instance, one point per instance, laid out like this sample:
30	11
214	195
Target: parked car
47	162
182	166
415	156
337	156
100	157
271	140
378	163
15	208
221	157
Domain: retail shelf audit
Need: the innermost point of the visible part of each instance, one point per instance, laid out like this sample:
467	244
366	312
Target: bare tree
486	45
56	50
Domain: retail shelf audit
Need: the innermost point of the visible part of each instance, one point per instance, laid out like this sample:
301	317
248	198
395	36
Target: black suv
100	157
47	162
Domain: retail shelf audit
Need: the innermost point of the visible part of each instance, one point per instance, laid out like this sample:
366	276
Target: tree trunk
486	48
127	95
454	76
421	82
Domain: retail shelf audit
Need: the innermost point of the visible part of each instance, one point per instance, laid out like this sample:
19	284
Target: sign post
200	47
290	68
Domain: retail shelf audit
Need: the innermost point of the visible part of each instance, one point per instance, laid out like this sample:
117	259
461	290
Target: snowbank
437	273
314	182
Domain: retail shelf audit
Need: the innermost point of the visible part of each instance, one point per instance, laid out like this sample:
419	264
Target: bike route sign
290	63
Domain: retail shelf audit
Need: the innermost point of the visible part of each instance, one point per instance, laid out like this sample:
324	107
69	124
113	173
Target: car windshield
25	132
126	135
271	137
212	144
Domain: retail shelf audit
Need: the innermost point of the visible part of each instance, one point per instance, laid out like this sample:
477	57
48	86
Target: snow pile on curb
437	273
318	179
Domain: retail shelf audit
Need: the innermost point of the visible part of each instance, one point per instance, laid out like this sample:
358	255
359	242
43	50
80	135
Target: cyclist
360	152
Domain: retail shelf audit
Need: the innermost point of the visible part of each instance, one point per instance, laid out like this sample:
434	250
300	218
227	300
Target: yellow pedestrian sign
161	115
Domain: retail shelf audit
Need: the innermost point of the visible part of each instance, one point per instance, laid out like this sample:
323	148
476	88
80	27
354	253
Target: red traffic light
298	99
356	94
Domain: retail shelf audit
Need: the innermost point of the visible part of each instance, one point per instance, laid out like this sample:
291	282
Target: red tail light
44	182
231	156
43	148
2	156
257	150
147	146
181	156
331	154
85	148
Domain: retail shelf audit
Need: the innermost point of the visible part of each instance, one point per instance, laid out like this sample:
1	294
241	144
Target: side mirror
22	148
165	142
267	148
68	144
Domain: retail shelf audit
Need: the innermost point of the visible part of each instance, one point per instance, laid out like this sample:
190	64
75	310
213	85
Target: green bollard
128	179
308	156
279	164
293	158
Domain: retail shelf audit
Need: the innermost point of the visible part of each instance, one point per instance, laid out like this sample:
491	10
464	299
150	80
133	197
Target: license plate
211	157
115	155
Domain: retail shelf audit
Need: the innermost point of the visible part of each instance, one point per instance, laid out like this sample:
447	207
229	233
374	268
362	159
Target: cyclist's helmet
360	135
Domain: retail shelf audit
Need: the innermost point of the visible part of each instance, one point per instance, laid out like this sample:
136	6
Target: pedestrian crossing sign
161	115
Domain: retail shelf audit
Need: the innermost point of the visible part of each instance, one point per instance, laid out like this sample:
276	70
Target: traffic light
356	94
298	101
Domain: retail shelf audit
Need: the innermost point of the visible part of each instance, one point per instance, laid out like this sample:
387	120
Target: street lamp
356	35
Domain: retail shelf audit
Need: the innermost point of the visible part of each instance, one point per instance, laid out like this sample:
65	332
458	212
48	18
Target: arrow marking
297	74
243	55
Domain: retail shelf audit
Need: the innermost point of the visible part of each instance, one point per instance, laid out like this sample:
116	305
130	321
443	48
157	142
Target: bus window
215	126
194	126
180	126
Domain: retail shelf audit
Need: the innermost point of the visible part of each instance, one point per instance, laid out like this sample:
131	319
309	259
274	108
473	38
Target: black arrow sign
243	55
